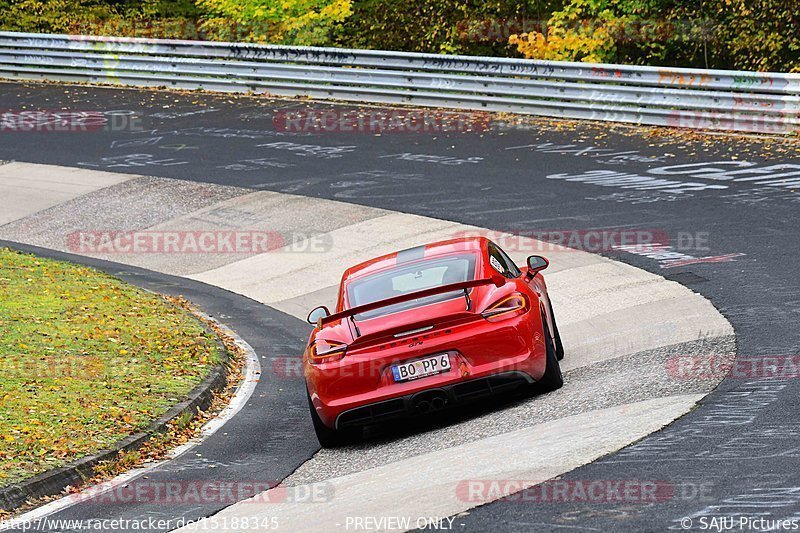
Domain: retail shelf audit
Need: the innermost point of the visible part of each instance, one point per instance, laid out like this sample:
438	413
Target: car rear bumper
432	399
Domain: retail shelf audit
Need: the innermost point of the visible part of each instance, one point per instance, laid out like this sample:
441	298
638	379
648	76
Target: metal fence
708	99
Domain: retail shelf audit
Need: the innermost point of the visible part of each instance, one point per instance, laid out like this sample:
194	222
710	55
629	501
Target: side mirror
316	314
537	263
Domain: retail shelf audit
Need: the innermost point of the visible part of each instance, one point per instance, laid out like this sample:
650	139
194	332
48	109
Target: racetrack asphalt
735	455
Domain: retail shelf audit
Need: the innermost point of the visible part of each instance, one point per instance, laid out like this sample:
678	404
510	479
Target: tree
741	34
474	27
757	34
299	22
622	31
54	16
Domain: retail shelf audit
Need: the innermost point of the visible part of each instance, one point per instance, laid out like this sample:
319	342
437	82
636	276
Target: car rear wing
465	286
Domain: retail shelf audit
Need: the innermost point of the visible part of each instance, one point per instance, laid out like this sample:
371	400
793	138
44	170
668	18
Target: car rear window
413	277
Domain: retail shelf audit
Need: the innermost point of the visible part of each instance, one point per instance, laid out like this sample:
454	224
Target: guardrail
707	99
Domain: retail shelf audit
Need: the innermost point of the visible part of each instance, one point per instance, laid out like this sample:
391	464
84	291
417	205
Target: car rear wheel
552	378
332	438
556	334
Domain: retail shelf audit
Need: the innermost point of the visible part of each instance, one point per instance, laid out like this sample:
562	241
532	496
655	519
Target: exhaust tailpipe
438	403
429	401
423	406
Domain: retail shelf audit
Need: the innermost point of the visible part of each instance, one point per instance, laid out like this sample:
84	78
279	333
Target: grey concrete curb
53	482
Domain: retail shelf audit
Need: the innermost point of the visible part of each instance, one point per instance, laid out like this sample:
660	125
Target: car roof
427	251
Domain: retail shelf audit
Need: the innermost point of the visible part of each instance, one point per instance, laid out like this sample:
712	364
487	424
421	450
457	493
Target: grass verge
85	360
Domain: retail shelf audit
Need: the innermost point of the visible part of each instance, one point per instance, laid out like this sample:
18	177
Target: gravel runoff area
628	379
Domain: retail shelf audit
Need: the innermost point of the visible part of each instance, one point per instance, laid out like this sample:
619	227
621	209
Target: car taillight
510	306
323	351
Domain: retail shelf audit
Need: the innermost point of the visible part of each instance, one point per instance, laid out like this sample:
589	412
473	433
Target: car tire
332	438
556	334
552	378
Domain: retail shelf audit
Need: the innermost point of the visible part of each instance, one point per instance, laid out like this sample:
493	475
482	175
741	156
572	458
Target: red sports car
422	329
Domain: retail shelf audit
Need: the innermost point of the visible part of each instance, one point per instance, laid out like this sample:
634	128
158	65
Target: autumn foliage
739	34
300	22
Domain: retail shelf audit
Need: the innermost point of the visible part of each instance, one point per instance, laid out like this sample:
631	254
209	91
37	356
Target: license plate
421	368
